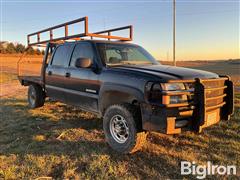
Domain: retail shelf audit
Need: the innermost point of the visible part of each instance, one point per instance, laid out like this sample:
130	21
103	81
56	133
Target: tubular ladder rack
76	37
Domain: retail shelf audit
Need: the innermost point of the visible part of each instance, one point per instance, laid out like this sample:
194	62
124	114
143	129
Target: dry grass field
59	141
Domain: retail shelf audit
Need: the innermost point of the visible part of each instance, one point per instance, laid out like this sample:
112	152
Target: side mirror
83	63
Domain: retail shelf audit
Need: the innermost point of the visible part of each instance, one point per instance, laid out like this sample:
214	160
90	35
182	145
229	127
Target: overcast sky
206	29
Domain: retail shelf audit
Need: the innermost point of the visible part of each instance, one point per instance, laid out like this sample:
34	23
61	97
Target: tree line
11	48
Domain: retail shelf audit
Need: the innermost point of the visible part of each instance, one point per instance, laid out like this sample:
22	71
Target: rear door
83	84
56	72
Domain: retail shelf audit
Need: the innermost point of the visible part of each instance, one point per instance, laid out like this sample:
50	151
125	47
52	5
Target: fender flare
111	93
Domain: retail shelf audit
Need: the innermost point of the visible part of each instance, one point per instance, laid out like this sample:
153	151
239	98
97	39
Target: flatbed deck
25	80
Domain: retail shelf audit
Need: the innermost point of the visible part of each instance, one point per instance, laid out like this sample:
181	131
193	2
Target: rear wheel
36	96
120	128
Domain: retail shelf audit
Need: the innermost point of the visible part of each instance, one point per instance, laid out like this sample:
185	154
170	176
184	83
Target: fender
111	93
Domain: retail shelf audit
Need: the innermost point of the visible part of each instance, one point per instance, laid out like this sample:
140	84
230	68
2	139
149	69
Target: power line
174	32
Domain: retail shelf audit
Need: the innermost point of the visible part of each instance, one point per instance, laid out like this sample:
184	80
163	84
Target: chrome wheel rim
32	96
119	129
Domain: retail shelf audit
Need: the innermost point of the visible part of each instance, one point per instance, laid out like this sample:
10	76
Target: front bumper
212	102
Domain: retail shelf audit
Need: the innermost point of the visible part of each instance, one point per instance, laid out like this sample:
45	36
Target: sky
205	29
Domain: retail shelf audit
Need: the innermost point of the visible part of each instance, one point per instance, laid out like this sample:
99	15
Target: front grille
213	84
214	91
214	102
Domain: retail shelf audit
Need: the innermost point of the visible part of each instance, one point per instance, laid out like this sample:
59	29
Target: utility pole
174	32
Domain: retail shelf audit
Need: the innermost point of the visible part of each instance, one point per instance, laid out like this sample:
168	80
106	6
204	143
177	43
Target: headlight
173	86
174	99
156	93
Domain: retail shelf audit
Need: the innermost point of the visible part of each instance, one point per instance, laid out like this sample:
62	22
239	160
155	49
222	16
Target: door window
112	55
82	50
62	55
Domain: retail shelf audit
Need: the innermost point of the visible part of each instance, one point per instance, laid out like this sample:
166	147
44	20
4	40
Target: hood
170	72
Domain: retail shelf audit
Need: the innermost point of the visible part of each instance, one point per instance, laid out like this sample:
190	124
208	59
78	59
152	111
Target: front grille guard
200	100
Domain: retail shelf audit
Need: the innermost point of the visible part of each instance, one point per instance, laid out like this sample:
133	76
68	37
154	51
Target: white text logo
202	171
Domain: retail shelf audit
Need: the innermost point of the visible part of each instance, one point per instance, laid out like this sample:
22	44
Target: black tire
36	96
136	137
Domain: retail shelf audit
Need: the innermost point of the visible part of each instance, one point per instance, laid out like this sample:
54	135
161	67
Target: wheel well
114	97
121	98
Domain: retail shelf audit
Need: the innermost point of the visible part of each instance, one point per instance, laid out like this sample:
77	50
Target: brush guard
221	105
212	102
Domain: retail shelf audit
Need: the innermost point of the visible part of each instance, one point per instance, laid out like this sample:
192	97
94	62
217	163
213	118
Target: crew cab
133	93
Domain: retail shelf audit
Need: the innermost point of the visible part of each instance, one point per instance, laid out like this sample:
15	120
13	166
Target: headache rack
106	34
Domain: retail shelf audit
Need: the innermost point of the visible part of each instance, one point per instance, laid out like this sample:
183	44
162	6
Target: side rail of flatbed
26	80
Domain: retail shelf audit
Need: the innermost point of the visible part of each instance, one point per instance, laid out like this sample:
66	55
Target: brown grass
63	142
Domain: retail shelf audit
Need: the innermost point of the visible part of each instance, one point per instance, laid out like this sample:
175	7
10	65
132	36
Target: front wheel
120	128
36	96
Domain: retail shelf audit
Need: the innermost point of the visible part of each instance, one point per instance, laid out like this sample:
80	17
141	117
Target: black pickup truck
133	92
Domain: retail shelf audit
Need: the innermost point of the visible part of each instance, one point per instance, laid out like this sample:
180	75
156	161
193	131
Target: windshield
124	54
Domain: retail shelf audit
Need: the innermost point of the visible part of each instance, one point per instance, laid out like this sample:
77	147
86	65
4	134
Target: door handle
67	74
49	73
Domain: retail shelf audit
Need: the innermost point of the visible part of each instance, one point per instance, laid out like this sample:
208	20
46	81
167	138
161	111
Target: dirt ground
60	141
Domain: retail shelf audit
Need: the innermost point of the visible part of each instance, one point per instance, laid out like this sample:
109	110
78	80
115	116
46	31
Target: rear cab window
62	55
